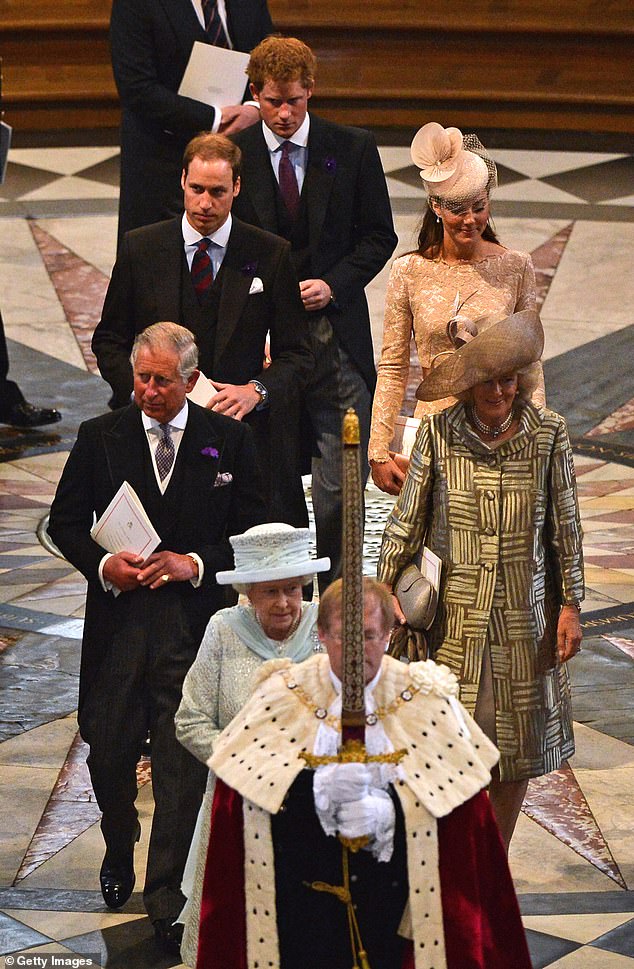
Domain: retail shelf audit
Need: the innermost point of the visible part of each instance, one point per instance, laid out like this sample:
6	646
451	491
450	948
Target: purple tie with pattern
164	452
288	181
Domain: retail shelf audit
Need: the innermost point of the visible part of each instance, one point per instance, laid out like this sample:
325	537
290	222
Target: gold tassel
344	895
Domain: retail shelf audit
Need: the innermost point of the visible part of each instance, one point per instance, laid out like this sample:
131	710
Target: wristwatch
263	392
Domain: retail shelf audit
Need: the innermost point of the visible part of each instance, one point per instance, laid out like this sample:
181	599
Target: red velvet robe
483	928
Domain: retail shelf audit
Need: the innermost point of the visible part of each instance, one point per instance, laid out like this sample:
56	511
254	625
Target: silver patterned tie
165	452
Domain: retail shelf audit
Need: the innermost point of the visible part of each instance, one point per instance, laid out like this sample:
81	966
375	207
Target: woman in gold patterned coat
491	490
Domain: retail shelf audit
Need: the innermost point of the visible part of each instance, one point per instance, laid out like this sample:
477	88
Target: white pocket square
257	286
223	478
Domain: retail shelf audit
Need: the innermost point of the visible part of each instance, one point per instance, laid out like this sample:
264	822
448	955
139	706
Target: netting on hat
475	175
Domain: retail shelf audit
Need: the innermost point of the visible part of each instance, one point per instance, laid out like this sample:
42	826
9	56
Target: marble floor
572	206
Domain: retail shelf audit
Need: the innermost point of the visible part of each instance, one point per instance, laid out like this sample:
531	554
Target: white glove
333	785
372	816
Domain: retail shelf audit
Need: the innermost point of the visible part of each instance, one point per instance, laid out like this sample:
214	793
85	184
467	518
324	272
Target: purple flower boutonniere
249	269
330	164
210	452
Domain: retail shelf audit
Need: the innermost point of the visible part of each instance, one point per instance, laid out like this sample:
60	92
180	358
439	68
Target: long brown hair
430	235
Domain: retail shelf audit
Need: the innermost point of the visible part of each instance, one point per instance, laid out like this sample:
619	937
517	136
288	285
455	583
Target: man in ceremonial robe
431	887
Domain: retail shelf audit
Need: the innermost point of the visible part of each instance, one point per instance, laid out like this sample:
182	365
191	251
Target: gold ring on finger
165	577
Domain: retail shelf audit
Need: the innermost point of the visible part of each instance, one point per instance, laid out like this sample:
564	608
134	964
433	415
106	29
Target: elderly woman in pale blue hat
272	563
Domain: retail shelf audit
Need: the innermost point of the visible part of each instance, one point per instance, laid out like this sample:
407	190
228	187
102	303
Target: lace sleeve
527	300
527	297
393	368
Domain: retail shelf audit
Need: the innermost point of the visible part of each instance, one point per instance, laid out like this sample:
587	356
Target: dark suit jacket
146	287
151	41
192	516
351	232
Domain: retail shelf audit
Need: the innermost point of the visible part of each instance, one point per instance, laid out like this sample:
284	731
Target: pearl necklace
281	644
489	430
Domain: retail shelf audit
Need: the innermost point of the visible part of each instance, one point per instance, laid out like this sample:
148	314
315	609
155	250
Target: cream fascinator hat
454	168
272	551
497	349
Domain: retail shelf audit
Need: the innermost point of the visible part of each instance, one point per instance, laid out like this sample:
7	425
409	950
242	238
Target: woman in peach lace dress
459	272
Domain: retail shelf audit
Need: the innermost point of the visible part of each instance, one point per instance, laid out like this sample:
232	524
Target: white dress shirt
299	158
218	247
153	434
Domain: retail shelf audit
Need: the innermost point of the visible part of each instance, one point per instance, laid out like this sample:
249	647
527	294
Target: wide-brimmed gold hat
506	347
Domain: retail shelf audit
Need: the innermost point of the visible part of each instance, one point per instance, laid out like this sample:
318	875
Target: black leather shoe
23	414
169	935
117	876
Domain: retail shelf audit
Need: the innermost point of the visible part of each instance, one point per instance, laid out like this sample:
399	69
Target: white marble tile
560	869
395	156
30	789
526	234
540	164
577	928
45	746
562	335
535	191
609	797
402	190
598	751
77	865
62	161
590	958
66	925
594	283
71	187
93	238
627	200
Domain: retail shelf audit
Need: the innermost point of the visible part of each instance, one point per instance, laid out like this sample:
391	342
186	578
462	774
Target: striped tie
202	270
213	24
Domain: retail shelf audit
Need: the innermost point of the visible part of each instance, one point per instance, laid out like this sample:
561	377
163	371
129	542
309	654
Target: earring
438	219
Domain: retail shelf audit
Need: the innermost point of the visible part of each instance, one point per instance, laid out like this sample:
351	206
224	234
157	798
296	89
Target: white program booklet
203	391
215	75
125	526
430	566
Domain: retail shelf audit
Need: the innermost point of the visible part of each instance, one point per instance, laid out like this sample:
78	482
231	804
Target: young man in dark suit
321	186
196	475
251	291
151	41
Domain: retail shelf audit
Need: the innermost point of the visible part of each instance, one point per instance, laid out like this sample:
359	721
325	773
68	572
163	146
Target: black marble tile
586	393
15	616
507	176
15	936
619	940
11	562
40	677
128	945
21	179
545	949
597	183
64	900
106	172
409	175
576	903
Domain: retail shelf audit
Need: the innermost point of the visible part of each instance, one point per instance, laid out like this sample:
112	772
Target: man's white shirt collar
300	138
192	236
178	422
369	687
